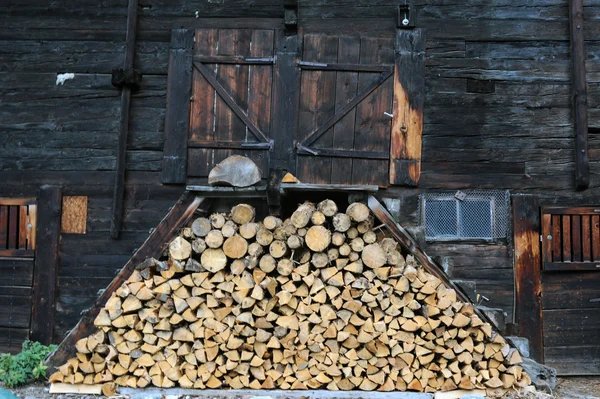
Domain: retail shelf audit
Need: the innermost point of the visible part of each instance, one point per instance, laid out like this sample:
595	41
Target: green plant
26	366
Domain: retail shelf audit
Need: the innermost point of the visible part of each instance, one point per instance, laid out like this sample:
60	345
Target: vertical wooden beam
528	307
117	204
286	95
409	98
154	246
46	264
579	95
177	120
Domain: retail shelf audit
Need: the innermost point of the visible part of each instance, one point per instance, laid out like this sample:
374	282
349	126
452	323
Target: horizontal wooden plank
571	266
571	327
17	252
581	210
570	290
16	272
574	360
11	339
17	201
15	311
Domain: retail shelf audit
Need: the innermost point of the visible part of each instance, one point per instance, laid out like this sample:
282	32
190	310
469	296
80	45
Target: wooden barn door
232	82
570	289
328	108
345	111
17	248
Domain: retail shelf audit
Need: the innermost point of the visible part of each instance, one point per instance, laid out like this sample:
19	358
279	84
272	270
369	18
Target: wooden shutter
344	117
409	98
17	226
231	97
571	238
178	106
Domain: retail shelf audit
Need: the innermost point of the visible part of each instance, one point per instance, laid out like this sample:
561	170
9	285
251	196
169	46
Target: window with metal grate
471	215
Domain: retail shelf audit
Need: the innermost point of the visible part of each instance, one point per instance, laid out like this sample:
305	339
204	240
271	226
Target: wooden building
472	112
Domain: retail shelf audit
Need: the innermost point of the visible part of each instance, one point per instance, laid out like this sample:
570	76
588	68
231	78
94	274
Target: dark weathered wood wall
497	114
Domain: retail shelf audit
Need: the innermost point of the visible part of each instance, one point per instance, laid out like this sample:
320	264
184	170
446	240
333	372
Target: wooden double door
325	107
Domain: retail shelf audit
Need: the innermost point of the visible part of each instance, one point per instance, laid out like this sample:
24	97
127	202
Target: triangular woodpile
321	300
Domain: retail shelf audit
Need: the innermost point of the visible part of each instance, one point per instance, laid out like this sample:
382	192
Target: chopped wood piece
201	227
235	247
180	249
341	222
327	207
358	212
242	213
318	238
374	256
302	215
289	178
213	260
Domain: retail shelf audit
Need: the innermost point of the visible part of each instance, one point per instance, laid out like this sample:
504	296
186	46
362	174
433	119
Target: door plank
566	238
317	104
528	272
586	238
556	239
346	88
576	238
373	128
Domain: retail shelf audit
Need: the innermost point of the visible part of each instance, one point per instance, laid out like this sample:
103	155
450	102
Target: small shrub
26	366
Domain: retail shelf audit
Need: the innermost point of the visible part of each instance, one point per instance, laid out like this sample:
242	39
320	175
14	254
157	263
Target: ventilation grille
469	215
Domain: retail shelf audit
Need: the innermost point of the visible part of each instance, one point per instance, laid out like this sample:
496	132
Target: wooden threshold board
260	191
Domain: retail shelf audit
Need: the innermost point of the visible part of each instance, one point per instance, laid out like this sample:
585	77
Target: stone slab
177	393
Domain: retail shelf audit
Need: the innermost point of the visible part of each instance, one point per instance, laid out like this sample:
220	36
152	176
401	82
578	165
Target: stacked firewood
319	300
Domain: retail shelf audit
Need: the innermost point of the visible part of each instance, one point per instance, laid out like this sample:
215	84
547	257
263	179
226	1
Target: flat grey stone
496	315
156	393
542	377
522	344
235	171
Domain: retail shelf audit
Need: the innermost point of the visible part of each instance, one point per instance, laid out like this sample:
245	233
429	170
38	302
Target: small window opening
473	215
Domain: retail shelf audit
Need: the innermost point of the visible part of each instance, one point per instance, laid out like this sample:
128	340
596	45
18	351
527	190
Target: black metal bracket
126	77
406	16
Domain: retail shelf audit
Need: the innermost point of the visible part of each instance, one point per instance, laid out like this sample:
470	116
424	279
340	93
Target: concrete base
177	393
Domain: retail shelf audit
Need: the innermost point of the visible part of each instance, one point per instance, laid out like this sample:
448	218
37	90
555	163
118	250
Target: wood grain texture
177	118
528	309
74	214
46	264
285	98
409	98
181	212
579	94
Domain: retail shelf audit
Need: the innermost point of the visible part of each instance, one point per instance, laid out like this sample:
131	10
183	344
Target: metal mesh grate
480	215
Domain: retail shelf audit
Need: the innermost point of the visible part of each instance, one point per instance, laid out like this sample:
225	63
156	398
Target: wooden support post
409	98
177	120
528	307
117	204
154	246
286	95
46	264
579	95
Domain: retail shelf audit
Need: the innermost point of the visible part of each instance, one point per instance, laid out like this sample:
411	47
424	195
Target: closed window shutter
344	116
231	97
571	238
409	98
178	106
